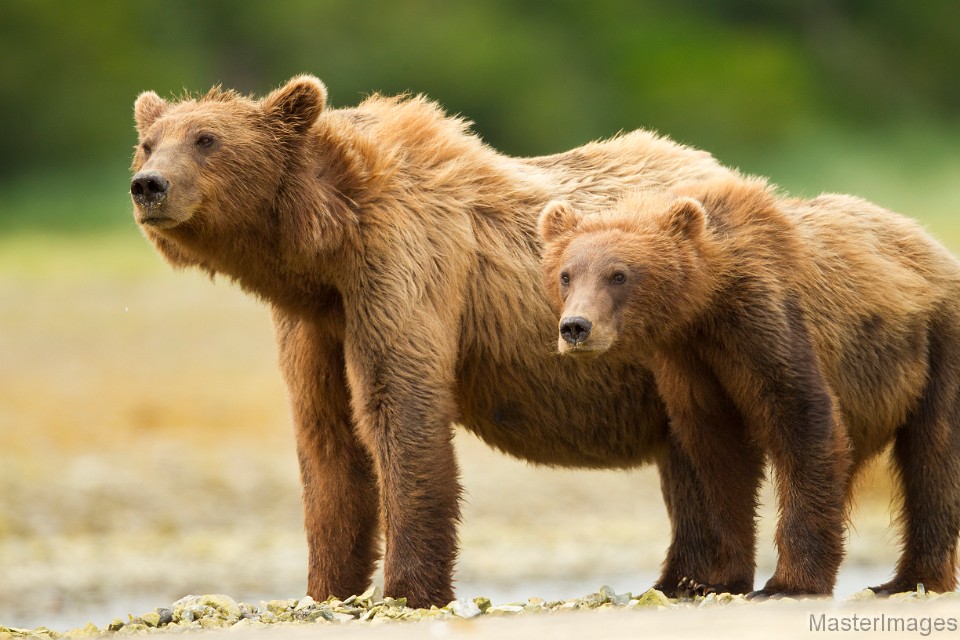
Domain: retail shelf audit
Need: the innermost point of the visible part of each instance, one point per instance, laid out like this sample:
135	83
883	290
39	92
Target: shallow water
851	580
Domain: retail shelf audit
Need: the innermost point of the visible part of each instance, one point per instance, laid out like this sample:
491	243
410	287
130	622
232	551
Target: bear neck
361	171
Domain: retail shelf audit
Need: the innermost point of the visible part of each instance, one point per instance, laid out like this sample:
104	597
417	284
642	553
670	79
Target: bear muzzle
149	188
575	330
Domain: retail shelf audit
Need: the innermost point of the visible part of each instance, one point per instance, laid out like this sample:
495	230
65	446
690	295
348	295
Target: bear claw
690	588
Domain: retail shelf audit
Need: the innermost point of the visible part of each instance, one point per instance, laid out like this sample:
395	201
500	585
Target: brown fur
815	332
400	258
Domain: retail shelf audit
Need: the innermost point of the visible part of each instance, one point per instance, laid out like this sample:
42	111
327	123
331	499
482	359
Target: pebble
504	608
653	598
464	608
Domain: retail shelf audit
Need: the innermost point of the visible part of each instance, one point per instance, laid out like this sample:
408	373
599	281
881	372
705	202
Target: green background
855	95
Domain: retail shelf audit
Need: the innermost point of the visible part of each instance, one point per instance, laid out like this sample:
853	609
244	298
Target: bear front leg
810	458
405	413
719	512
778	384
693	540
340	495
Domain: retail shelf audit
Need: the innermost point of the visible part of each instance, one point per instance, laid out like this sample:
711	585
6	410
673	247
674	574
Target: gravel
218	611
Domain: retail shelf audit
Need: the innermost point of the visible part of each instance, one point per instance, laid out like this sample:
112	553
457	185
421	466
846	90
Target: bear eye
204	140
619	277
147	148
564	278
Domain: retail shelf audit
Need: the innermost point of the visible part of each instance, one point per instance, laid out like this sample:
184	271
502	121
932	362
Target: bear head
208	171
634	273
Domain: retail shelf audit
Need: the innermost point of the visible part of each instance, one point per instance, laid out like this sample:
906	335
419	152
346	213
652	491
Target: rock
305	603
277	607
653	598
268	617
355	612
708	601
501	609
317	615
395	602
342	617
89	630
730	598
224	605
464	608
190	608
151	619
165	616
373	595
370	613
483	603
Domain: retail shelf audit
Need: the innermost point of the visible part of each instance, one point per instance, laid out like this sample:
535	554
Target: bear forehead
217	117
606	246
230	105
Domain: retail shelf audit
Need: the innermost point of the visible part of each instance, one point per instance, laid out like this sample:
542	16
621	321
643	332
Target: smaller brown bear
814	332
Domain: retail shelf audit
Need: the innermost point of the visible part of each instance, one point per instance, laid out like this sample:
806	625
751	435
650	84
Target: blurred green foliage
746	79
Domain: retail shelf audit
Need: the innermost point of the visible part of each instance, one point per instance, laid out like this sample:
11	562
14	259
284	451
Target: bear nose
575	330
149	188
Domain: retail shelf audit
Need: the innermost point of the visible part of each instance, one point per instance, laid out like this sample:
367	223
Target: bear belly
553	415
873	414
878	380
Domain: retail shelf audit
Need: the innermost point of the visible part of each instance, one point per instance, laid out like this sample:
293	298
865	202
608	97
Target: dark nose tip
149	188
575	330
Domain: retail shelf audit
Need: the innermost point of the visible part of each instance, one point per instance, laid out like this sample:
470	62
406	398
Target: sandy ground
782	620
146	453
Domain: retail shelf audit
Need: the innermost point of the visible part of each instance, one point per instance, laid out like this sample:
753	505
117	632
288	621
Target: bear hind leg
926	456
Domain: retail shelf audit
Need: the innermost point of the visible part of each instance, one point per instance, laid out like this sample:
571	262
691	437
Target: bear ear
687	218
558	218
297	103
148	107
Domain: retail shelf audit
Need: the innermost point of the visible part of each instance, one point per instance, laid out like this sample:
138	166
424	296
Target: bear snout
575	330
149	188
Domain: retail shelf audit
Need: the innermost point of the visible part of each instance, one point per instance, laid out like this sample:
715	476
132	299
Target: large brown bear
400	258
812	331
